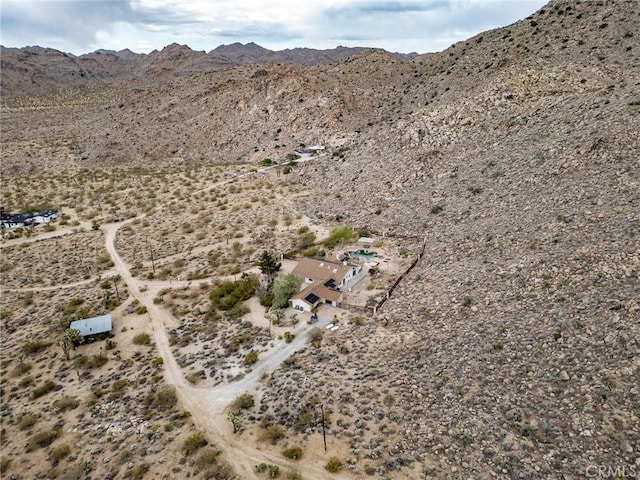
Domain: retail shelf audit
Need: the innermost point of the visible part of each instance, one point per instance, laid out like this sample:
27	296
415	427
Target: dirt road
207	405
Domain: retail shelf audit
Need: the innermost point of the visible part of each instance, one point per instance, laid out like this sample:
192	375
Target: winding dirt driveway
207	405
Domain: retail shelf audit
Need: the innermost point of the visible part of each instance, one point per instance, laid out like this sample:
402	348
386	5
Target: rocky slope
512	348
37	70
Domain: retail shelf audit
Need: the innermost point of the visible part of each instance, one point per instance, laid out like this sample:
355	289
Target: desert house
18	220
326	281
93	326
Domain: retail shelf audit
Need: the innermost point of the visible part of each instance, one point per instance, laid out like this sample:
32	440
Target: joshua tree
235	417
70	338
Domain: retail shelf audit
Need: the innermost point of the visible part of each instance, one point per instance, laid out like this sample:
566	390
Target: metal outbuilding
93	326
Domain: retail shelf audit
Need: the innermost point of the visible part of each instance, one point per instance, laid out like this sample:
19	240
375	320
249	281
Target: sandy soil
207	405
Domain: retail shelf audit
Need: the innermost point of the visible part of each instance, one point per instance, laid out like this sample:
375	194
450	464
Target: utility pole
152	262
324	432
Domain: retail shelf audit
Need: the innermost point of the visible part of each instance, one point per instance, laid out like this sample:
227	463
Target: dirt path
207	405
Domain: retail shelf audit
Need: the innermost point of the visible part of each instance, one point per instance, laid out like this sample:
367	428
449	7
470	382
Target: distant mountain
252	53
35	69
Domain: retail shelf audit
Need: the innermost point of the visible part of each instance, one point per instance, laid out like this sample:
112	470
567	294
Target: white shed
93	326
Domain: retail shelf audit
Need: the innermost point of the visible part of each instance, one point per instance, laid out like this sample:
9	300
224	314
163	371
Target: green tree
268	263
70	338
284	287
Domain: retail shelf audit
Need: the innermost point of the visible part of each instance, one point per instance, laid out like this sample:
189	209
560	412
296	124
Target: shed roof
93	326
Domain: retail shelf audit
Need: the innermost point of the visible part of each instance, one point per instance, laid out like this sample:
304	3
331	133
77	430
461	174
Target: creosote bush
250	358
27	421
244	401
42	439
334	465
207	457
66	403
193	443
273	433
142	339
60	452
292	453
5	463
165	398
42	390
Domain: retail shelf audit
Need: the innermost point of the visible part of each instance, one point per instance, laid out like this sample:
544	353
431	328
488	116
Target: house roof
93	326
17	217
321	270
313	293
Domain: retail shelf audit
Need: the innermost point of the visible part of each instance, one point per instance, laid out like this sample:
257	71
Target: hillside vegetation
510	350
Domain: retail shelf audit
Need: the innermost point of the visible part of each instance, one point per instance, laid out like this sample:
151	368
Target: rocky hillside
512	348
36	70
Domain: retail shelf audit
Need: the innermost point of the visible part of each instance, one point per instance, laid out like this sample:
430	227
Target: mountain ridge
511	348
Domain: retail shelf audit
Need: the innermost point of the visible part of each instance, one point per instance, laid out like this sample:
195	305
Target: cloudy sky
143	25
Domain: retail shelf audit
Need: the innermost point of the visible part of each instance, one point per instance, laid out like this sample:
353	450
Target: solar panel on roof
330	283
312	298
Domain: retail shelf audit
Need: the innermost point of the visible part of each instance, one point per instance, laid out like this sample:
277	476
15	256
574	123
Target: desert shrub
142	339
294	475
334	465
138	471
27	421
42	390
219	471
274	471
313	252
60	452
304	419
21	369
193	443
436	209
292	453
165	398
94	361
31	348
273	433
267	300
339	235
228	294
238	310
389	400
119	385
244	401
288	337
141	310
26	381
251	358
5	463
66	403
315	336
42	439
207	457
195	377
369	470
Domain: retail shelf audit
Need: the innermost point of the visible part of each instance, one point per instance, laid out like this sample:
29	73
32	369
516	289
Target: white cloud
80	26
